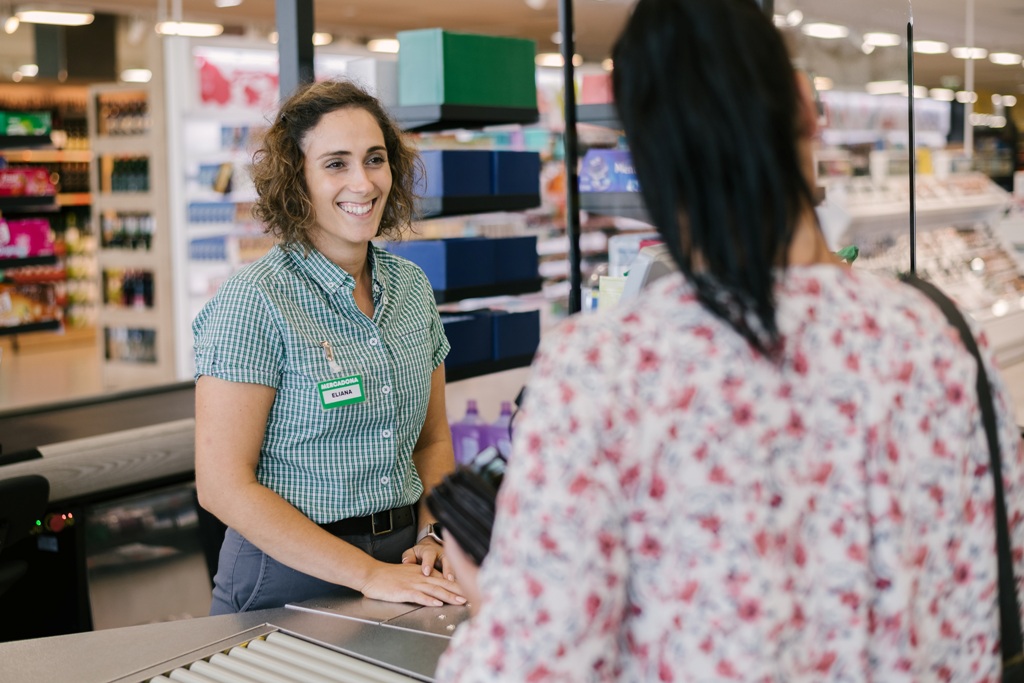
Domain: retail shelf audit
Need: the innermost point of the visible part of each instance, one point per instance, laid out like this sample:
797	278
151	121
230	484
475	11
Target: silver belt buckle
380	515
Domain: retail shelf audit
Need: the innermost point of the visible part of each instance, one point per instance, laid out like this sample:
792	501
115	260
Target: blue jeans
248	579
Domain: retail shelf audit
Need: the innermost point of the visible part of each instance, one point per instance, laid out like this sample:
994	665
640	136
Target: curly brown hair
283	204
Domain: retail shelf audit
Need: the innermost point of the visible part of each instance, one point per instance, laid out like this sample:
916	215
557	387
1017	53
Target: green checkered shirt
266	325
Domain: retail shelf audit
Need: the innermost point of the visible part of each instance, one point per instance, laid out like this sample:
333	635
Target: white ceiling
999	27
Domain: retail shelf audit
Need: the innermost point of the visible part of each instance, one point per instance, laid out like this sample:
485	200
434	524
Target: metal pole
969	84
911	126
294	44
572	186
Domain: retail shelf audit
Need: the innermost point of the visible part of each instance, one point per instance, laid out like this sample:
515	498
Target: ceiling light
136	75
930	47
1009	100
879	39
227	3
554	59
779	20
822	83
387	45
825	31
794	18
30	70
11	24
867	48
321	38
38	16
886	87
607	64
1005	58
189	28
997	100
941	94
965	96
970	52
920	92
556	37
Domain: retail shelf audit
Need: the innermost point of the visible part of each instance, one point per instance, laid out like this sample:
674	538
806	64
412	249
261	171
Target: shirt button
332	285
373	341
385	480
386	433
385	389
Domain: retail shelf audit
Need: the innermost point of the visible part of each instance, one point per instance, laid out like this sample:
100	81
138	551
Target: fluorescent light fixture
11	24
879	39
941	94
920	92
1009	100
30	70
886	87
554	59
794	18
322	38
227	3
136	75
385	45
191	29
556	37
930	47
39	16
997	100
779	20
997	122
965	96
970	52
607	64
867	48
822	83
825	31
1005	58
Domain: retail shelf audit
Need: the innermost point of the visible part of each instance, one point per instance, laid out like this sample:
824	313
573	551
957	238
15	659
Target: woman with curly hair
320	416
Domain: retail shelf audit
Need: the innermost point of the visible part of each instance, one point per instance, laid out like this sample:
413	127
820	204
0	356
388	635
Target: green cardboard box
27	123
441	67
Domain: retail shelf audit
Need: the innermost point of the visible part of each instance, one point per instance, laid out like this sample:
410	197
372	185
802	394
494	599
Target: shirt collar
332	277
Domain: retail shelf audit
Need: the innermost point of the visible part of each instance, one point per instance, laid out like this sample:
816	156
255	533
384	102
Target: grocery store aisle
37	374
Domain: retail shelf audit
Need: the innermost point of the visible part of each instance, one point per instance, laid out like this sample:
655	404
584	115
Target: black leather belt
377	524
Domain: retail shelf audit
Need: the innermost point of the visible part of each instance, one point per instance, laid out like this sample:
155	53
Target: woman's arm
434	458
231	419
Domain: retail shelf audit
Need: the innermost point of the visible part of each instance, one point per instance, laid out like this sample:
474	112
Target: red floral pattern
679	509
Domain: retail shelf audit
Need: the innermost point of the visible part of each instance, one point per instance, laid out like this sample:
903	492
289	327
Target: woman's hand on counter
407	583
429	554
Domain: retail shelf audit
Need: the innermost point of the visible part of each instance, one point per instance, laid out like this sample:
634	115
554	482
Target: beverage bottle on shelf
498	434
468	434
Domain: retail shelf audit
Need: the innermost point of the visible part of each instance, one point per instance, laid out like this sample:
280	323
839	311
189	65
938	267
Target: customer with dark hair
320	416
769	468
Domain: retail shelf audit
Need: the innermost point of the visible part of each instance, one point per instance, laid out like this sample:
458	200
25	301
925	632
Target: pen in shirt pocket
329	355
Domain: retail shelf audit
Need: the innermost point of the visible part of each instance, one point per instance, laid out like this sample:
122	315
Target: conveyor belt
26	429
280	658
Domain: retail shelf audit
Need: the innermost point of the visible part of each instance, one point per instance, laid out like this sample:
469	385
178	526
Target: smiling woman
320	421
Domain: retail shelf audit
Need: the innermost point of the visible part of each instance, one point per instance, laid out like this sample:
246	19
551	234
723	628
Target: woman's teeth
356	209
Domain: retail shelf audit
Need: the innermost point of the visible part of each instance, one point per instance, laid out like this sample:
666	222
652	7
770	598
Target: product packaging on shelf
441	67
28	304
455	173
27	123
26	182
25	238
463	262
608	170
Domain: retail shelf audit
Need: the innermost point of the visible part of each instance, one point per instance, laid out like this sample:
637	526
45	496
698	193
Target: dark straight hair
708	101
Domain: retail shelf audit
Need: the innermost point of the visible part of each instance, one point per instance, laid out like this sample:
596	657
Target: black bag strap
1011	642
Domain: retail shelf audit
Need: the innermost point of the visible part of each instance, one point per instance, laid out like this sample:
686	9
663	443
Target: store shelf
32	327
20	141
74	199
122	144
41	202
6	263
127	259
47	156
438	117
447	296
479	369
604	115
123	201
436	207
625	204
135	318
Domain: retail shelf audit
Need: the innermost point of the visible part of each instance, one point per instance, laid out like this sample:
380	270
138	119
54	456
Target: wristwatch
431	531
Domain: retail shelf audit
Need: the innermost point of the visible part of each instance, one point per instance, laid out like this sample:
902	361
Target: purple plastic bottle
468	434
498	431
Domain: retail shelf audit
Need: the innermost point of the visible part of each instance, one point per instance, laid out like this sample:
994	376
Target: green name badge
344	391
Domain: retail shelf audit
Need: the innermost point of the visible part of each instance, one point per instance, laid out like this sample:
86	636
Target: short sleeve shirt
271	324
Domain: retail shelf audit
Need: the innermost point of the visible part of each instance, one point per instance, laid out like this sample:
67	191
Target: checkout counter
121	501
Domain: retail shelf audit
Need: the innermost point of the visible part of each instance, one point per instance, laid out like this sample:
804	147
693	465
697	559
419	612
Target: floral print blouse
677	508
